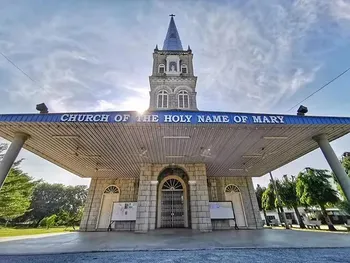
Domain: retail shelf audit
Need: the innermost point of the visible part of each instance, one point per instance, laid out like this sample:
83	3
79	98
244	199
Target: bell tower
172	83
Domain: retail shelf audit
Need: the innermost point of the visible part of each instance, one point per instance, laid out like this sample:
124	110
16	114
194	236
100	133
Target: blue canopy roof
179	137
189	117
172	40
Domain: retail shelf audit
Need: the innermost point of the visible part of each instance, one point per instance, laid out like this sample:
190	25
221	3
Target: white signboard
124	211
221	210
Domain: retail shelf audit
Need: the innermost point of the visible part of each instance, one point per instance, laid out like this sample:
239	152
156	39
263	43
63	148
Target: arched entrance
110	195
172	210
232	193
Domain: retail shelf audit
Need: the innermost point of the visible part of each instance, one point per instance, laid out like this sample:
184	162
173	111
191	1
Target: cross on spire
172	15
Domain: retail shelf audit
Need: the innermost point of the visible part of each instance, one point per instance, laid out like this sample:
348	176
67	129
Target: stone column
200	213
213	190
11	155
253	213
87	223
334	163
153	205
143	220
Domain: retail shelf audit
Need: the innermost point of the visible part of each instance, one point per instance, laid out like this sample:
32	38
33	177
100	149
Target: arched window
172	184
184	69
232	188
161	68
162	99
183	99
112	189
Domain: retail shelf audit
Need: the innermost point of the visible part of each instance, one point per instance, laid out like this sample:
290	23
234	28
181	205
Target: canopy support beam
334	163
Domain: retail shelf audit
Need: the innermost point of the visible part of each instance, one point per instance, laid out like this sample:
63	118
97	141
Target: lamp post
279	203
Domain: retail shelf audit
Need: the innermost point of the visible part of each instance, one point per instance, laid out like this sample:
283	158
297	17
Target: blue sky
250	56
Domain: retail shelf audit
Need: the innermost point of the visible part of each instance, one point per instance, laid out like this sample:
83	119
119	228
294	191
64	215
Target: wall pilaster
199	199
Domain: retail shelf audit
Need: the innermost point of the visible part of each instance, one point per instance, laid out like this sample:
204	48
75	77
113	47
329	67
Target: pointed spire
172	40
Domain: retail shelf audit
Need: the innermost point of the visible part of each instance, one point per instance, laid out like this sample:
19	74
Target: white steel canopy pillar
11	155
334	163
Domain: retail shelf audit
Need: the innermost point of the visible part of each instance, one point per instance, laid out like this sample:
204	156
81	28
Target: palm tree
288	194
259	193
313	188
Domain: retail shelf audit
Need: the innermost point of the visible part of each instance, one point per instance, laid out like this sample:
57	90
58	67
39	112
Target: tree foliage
288	194
268	201
25	199
49	221
346	164
259	193
49	199
16	192
314	188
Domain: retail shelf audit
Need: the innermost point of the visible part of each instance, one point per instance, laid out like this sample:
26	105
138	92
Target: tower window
161	68
184	69
183	99
162	99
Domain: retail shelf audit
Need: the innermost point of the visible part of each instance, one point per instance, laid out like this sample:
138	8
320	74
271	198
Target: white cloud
248	55
340	9
253	54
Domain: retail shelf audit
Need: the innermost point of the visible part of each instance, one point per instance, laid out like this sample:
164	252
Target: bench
312	223
274	222
289	222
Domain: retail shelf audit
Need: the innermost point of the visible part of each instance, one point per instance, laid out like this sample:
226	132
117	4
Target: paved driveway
174	239
266	255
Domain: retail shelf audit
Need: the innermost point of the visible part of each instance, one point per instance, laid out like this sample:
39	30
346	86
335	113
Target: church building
173	166
172	194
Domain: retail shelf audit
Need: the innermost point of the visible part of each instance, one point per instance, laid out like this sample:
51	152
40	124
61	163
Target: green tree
49	199
259	193
48	221
268	200
76	196
288	194
16	194
67	219
314	188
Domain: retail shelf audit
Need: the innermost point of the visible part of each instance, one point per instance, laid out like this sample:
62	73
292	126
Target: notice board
124	211
221	210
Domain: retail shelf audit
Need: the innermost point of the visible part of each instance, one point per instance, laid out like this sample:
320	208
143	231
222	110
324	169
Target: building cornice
175	79
173	52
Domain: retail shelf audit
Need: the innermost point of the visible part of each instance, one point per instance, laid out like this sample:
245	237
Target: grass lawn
10	231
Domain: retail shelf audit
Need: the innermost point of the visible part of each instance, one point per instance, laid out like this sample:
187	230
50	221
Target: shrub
49	221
